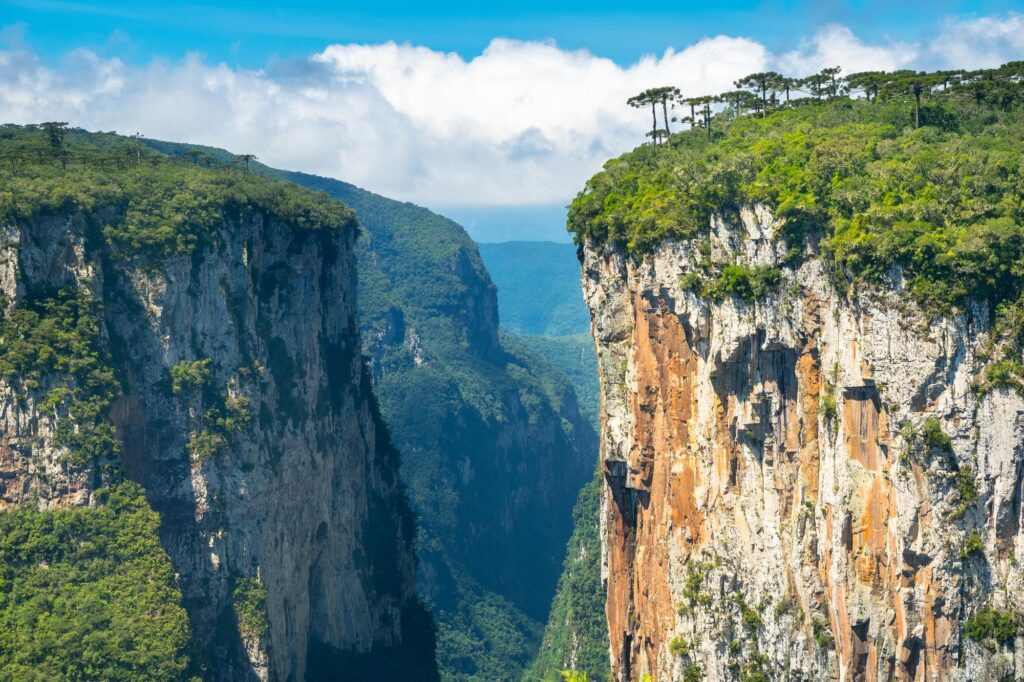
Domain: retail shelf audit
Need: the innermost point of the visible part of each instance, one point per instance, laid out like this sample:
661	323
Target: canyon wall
805	485
225	378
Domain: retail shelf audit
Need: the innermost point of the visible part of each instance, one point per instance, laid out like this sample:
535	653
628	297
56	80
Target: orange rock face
771	508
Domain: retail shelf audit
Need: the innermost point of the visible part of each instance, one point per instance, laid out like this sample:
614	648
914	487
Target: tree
655	96
868	82
664	95
917	84
573	676
658	135
917	87
246	158
824	83
740	101
55	131
704	104
642	100
784	84
760	82
200	158
830	81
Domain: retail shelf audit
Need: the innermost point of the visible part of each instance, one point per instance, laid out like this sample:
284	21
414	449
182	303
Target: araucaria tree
760	83
664	95
246	158
760	93
653	97
642	100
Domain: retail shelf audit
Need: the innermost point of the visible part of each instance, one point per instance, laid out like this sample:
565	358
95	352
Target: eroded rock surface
771	501
299	496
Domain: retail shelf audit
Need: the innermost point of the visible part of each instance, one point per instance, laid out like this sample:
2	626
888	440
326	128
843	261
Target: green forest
923	171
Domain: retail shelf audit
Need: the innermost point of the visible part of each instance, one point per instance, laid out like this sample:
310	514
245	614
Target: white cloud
521	123
836	45
979	43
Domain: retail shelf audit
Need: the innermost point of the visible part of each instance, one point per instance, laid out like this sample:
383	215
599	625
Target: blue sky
251	33
467	108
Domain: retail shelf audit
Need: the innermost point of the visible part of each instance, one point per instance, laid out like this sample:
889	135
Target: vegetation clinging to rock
942	200
88	593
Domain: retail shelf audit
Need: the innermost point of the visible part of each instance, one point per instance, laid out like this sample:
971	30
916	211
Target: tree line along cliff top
163	202
919	170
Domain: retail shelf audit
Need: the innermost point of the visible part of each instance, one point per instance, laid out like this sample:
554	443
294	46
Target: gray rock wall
772	503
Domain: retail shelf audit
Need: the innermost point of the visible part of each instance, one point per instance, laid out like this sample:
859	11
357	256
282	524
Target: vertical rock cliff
218	312
494	445
804	484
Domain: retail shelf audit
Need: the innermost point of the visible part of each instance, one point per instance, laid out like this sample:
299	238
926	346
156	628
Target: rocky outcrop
807	486
244	411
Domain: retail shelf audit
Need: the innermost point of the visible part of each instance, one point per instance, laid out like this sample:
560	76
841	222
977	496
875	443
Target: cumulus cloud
979	42
836	45
521	123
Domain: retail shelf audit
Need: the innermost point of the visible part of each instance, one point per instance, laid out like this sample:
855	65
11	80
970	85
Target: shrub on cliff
994	625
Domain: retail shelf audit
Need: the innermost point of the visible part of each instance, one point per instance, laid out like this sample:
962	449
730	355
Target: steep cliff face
494	445
805	484
228	383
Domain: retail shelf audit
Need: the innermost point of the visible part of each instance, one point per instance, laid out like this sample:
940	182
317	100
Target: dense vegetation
49	345
89	594
922	171
576	636
157	205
